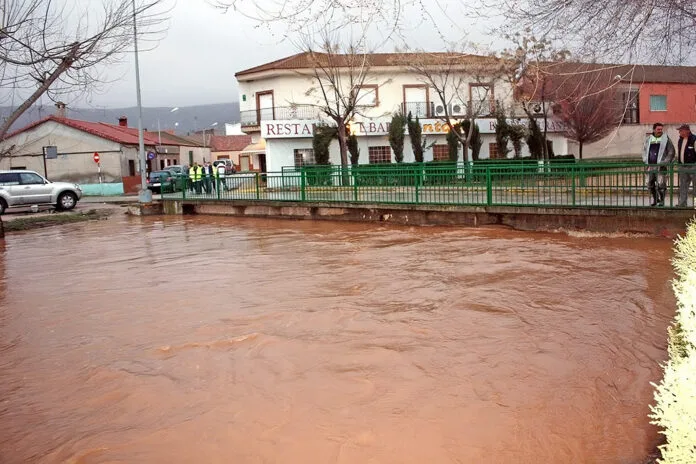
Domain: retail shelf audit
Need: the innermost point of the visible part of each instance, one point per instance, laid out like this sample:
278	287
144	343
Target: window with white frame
304	157
367	96
658	102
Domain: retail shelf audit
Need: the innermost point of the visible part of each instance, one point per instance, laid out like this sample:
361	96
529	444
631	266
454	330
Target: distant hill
189	118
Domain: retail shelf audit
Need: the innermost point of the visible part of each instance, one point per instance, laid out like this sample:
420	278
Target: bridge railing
567	184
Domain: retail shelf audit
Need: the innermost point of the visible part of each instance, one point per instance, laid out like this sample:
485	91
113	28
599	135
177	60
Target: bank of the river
29	221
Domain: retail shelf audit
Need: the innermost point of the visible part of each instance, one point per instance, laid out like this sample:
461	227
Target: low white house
64	149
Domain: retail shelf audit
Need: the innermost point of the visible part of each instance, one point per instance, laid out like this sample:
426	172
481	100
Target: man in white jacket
658	151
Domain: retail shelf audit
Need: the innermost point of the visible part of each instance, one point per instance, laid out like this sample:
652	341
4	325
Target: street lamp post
205	143
144	195
159	130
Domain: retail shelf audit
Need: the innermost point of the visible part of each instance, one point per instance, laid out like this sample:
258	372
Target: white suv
22	188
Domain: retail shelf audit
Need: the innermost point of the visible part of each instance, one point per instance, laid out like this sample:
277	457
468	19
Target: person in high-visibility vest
198	176
192	176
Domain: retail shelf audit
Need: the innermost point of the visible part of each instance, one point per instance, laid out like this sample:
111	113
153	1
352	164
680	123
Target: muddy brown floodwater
223	340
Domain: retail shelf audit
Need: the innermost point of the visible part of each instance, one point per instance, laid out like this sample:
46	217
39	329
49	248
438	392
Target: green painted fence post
258	188
572	175
355	183
489	186
184	188
217	182
417	179
671	185
303	184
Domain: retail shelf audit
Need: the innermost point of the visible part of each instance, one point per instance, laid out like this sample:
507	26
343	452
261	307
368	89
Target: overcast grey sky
196	62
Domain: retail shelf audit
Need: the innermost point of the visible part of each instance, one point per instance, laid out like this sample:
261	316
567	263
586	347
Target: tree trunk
580	143
543	109
343	148
342	145
469	135
65	64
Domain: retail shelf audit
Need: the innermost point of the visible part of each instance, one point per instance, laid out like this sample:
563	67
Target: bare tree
463	85
530	66
658	31
585	97
589	113
50	48
340	77
386	19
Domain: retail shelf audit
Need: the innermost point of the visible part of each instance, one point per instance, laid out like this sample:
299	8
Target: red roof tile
113	132
629	73
309	60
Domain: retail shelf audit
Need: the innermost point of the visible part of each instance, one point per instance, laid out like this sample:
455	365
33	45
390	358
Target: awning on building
254	148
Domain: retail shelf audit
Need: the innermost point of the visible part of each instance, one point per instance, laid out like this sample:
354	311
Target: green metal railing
605	185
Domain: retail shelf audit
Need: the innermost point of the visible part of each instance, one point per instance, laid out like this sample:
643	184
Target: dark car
161	181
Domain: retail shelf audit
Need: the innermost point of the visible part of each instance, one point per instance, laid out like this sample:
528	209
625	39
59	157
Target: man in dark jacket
658	151
686	148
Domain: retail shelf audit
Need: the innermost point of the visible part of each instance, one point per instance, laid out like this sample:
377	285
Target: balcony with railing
418	109
303	112
436	109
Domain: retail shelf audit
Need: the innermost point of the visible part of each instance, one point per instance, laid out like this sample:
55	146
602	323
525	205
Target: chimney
123	121
60	109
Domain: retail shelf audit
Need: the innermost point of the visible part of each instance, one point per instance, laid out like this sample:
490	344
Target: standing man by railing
220	175
687	162
208	178
658	151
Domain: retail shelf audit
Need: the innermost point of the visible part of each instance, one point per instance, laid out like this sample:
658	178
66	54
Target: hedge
675	397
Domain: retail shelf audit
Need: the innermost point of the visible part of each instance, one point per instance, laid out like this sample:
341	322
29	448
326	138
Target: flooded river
223	340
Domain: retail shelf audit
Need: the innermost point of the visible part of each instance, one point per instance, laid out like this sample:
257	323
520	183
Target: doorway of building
262	162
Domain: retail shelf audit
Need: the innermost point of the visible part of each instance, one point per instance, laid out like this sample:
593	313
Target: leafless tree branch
656	32
451	76
49	47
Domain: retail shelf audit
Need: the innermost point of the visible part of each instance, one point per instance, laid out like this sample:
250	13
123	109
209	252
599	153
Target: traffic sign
150	155
96	157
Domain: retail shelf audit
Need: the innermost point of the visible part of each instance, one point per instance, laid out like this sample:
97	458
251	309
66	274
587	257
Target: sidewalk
117	199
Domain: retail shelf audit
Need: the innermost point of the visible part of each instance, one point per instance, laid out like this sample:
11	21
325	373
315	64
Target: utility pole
144	195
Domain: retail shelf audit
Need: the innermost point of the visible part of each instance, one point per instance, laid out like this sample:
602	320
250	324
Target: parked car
161	181
26	188
175	168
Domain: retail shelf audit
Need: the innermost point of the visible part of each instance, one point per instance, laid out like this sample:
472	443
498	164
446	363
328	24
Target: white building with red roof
77	141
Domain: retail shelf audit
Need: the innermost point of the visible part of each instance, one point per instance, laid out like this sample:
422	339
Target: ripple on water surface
240	340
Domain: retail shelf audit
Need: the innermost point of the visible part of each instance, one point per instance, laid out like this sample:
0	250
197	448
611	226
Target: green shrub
397	135
675	397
